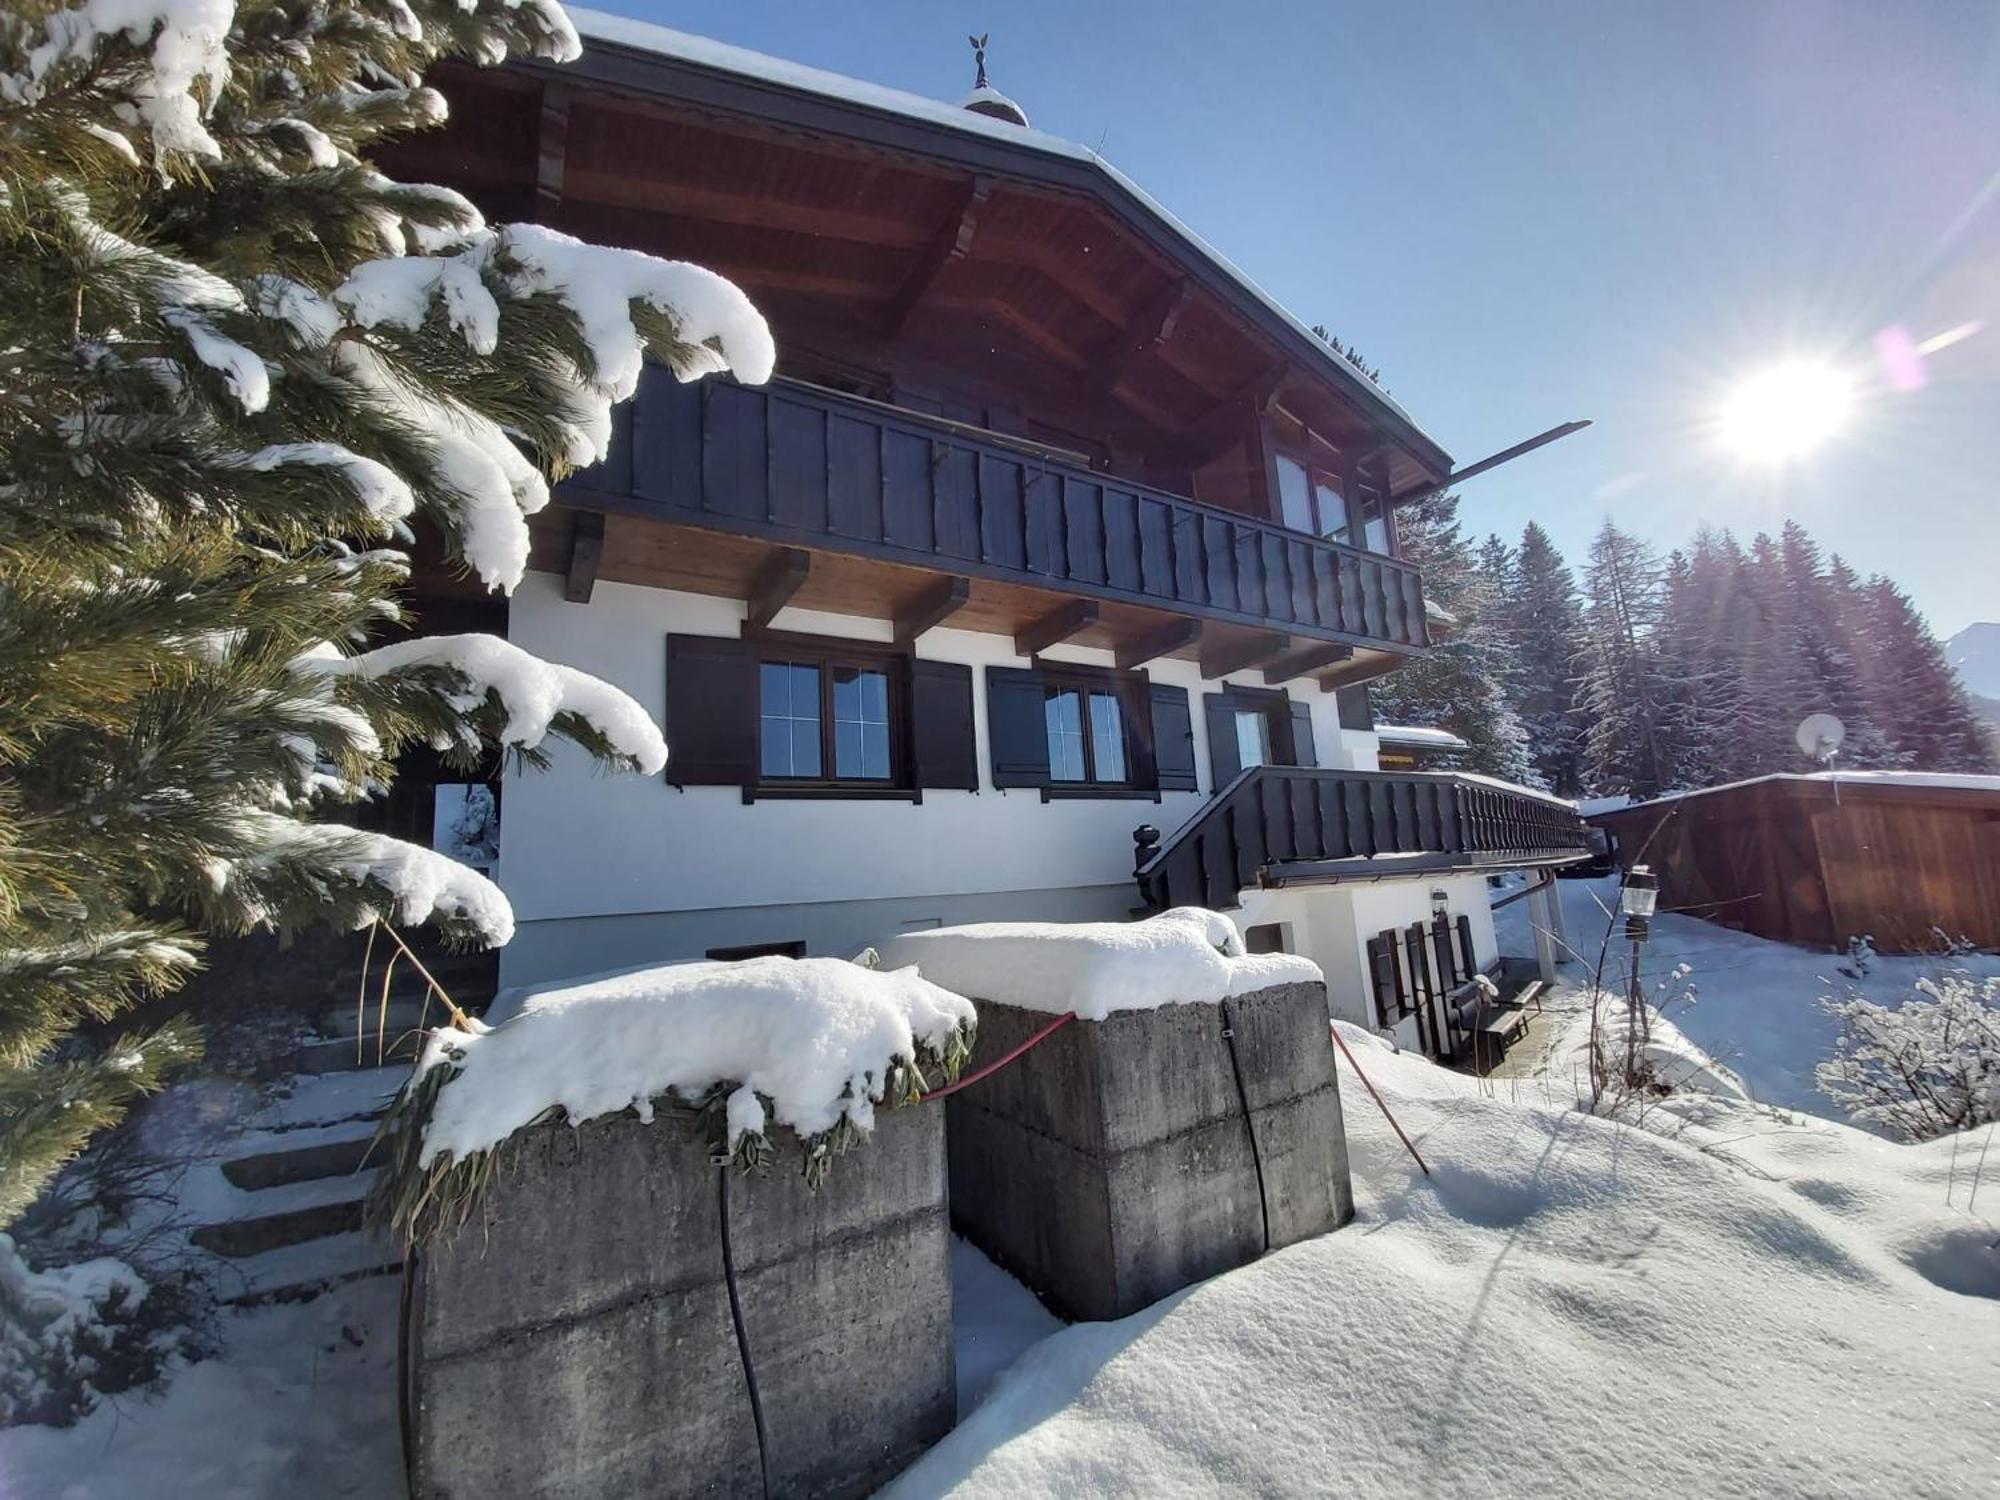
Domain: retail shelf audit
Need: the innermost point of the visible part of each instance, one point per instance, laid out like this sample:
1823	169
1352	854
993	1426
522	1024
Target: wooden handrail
1274	825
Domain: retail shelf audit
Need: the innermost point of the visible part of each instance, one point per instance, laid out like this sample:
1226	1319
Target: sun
1786	411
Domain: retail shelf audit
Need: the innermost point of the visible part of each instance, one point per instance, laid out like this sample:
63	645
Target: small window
796	948
1253	737
1086	730
823	722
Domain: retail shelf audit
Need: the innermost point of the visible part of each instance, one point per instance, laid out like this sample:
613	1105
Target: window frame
825	654
1123	688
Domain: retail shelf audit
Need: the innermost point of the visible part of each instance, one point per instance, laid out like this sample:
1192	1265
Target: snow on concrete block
1113	1164
574	1339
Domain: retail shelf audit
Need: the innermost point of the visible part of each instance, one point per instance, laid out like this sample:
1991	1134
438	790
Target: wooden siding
1278	825
799	465
1783	859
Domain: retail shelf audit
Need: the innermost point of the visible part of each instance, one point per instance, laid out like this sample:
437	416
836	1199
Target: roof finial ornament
986	99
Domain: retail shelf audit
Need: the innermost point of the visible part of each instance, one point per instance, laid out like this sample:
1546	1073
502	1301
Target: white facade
606	871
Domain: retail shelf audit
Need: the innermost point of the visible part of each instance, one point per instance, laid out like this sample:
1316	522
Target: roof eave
637	70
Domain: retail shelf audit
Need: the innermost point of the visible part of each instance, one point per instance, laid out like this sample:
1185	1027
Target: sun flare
1786	411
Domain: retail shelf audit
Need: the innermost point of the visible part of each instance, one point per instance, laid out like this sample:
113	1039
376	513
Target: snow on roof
646	36
1941	780
1589	805
1184	956
814	1036
1416	734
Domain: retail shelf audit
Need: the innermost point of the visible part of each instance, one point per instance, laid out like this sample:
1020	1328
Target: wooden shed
1901	857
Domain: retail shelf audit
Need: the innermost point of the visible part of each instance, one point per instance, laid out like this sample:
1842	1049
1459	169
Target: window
1332	508
1295	499
1253	737
794	948
823	721
1086	729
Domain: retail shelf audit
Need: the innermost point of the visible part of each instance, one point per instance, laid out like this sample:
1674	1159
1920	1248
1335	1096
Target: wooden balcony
1291	825
803	468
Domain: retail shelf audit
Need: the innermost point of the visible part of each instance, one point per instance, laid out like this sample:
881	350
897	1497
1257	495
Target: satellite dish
1819	736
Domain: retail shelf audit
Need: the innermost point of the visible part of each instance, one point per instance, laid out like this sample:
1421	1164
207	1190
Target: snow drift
1746	1305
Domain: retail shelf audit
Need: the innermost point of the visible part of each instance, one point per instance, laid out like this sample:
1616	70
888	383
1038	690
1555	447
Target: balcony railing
803	466
1278	825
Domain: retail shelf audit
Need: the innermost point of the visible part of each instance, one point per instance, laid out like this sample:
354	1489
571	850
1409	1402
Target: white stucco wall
576	843
1331	925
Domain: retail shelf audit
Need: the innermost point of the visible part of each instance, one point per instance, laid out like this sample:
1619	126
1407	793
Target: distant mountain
1975	651
1987	709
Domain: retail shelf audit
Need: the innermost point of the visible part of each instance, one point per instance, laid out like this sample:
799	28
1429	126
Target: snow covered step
297	1272
347	1055
290	1215
332	1099
339	1152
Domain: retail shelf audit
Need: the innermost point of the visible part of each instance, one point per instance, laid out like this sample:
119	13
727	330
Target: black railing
1275	825
801	465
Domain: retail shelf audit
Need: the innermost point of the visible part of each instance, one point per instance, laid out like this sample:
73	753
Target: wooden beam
551	149
1302	663
951	242
1357	670
1055	627
1169	638
1153	326
1234	417
1243	655
772	589
933	606
586	551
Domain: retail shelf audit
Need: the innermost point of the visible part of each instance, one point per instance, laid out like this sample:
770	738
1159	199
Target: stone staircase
280	1208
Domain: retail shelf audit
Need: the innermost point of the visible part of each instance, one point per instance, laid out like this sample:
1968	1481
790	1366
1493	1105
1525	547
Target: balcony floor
655	553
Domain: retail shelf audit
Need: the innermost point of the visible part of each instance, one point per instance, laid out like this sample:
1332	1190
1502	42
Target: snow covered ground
1757	1002
1569	1306
1724	1300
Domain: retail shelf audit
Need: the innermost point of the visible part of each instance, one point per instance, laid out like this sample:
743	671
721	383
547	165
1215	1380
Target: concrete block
1112	1164
574	1340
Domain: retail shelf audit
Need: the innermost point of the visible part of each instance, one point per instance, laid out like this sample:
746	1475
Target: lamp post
1637	898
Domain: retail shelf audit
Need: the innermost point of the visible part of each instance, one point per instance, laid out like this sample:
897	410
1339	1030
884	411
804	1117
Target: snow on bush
68	1334
1184	956
1925	1068
812	1044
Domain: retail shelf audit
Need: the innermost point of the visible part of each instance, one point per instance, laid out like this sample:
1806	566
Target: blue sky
1528	212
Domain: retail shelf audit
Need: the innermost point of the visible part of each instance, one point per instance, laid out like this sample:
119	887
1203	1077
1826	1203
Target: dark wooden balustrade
1278	825
804	466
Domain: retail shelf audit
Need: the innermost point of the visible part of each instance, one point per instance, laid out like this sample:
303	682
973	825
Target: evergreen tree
1544	636
237	363
1918	696
1825	640
1457	685
1629	746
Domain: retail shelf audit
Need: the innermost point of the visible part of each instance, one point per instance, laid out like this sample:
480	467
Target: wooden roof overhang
872	231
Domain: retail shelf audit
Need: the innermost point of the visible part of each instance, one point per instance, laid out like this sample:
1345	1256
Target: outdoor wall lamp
1440	903
1637	898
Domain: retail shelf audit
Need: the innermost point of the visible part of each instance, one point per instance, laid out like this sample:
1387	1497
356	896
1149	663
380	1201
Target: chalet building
1052	527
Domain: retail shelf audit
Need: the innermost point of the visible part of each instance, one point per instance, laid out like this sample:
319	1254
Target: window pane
1374	530
1332	511
1065	721
789	719
860	724
805	746
1107	737
1294	494
1253	738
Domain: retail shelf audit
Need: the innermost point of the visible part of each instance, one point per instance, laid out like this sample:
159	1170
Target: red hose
1377	1098
1000	1062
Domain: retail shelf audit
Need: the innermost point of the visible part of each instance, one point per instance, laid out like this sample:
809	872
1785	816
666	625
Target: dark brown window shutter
1223	762
1017	727
711	711
1304	752
1356	712
945	751
1173	738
